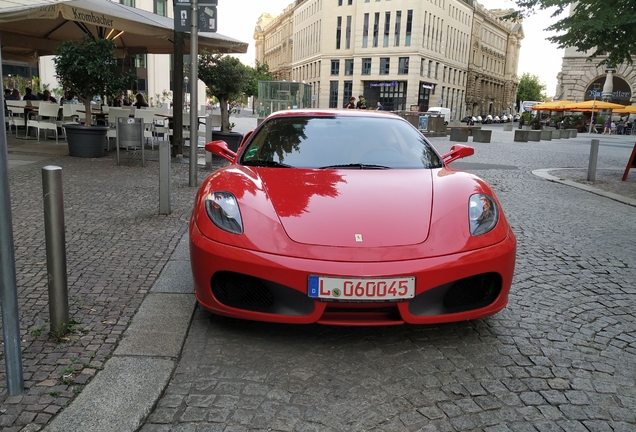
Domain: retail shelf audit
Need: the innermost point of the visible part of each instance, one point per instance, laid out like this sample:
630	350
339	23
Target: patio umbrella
33	28
596	105
629	109
562	105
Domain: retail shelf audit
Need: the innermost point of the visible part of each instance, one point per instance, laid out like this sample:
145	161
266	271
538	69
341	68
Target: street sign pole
8	285
194	110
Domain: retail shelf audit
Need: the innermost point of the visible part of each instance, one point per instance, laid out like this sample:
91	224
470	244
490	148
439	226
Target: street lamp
595	88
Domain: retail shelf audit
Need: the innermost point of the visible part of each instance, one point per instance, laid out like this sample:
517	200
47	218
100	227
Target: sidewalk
130	288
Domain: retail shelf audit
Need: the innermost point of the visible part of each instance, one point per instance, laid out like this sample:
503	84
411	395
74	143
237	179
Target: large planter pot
86	141
233	139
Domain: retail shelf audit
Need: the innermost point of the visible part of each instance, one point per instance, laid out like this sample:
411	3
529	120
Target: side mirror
220	148
458	151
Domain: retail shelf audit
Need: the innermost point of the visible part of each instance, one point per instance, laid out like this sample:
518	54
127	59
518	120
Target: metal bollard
164	178
591	167
55	248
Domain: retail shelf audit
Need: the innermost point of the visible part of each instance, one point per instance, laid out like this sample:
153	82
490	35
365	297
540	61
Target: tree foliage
602	27
89	68
530	89
225	78
256	74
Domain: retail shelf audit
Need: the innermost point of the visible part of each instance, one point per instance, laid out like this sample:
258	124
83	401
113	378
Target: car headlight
483	214
223	210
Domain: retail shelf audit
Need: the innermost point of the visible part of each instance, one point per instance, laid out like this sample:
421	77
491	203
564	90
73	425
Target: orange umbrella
562	105
629	109
592	104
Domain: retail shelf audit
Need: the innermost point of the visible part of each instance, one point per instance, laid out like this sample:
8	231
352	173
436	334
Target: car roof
326	112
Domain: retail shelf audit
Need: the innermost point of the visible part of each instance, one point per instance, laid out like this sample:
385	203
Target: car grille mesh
237	289
480	289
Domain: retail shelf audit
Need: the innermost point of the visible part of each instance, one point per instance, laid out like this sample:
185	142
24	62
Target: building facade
405	54
581	80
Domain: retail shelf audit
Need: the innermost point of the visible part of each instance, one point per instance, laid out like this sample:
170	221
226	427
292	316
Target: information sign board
183	17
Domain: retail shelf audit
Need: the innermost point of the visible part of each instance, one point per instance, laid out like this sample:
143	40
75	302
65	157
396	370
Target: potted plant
89	69
524	121
226	78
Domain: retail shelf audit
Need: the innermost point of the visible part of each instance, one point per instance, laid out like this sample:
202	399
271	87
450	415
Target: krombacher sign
93	19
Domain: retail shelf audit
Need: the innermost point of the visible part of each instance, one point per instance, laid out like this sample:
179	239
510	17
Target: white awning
33	28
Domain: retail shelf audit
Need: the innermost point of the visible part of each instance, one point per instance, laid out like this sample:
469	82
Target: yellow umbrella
629	109
592	104
562	105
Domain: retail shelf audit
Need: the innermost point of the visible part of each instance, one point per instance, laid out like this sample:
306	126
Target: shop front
391	94
424	94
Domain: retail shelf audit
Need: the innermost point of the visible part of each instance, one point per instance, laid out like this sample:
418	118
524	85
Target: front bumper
247	284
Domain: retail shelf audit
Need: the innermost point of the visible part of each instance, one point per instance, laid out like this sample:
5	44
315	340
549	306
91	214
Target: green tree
605	28
256	74
89	69
225	78
530	89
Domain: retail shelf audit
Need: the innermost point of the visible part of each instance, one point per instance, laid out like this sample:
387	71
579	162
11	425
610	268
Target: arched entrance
621	93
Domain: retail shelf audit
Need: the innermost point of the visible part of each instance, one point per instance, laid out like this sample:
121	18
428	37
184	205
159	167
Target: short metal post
208	138
164	178
591	167
55	248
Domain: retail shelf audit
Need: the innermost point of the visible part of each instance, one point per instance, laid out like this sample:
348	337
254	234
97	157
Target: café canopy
33	28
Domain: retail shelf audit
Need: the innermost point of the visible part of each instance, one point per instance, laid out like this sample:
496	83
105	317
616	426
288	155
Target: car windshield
339	142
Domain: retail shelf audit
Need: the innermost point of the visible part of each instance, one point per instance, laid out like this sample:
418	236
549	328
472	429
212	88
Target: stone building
581	80
407	54
492	68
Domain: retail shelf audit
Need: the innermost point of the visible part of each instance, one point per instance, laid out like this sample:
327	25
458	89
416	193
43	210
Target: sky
237	19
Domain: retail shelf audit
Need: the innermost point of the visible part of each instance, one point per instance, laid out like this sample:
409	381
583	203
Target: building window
335	67
349	67
339	2
422	62
338	32
366	66
160	7
409	26
436	69
385	65
349	2
376	29
403	66
398	23
130	3
333	94
444	75
430	66
365	31
387	28
347	92
348	33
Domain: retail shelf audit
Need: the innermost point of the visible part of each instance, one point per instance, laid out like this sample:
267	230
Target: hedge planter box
86	141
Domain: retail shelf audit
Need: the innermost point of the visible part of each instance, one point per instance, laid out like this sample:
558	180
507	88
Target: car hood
351	208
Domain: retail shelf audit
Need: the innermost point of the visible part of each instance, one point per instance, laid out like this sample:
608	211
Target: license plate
367	289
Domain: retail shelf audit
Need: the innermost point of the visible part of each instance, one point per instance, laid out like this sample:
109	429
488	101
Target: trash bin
130	134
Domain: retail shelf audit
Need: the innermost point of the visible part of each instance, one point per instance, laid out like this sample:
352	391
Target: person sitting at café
28	94
141	101
15	95
46	96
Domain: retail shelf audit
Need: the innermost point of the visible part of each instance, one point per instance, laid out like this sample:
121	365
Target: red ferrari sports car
347	217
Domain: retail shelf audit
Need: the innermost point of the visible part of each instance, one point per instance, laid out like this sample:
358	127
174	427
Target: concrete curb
545	174
121	396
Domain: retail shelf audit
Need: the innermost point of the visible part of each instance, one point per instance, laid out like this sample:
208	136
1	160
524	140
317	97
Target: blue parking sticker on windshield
313	286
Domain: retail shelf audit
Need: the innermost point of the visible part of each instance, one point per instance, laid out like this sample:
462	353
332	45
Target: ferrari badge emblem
358	237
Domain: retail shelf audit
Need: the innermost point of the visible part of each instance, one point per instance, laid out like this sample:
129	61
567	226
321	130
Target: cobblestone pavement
560	357
117	244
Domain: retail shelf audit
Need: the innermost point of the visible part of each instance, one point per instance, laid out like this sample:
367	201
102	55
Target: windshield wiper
356	165
265	163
